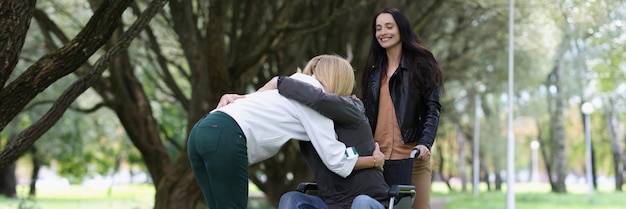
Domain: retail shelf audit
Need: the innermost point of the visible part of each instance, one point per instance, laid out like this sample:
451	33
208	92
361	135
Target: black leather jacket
418	117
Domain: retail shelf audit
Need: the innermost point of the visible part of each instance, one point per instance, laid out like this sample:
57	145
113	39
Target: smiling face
387	31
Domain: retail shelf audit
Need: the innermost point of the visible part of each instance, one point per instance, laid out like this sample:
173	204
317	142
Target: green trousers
219	159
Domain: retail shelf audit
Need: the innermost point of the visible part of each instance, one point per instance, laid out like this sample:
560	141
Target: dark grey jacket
353	130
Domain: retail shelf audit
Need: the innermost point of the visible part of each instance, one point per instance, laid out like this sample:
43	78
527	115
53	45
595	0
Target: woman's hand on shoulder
228	98
270	85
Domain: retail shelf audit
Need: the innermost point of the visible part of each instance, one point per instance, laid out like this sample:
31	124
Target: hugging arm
344	109
341	109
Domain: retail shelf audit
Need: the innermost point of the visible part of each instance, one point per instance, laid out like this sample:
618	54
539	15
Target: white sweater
269	120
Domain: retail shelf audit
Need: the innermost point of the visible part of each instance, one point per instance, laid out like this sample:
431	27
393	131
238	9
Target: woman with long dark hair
401	86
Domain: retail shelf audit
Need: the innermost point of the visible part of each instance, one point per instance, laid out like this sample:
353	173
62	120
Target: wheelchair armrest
306	186
397	193
396	190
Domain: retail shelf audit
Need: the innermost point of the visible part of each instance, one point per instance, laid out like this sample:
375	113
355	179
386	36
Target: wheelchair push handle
415	152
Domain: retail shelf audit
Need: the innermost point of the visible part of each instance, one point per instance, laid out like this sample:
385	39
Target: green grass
528	196
531	196
83	197
79	197
497	200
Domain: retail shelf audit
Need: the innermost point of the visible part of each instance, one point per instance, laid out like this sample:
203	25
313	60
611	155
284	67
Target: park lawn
528	196
531	196
137	196
497	200
80	197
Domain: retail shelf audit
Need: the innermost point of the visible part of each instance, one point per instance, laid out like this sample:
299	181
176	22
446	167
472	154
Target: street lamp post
476	157
480	88
587	109
510	147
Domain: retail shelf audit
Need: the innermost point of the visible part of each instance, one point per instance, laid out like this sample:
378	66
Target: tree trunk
174	183
624	162
8	181
55	65
36	161
616	148
557	136
594	175
178	188
496	159
15	20
275	182
545	154
48	70
460	139
484	175
440	170
498	175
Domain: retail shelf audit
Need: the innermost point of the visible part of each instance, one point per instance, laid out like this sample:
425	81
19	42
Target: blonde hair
334	72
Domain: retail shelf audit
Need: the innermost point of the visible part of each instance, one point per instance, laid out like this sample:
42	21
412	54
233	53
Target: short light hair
334	72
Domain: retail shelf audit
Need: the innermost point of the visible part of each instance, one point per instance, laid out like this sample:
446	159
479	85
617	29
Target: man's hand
228	98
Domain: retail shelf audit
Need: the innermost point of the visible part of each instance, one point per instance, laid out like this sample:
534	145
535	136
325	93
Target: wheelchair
397	175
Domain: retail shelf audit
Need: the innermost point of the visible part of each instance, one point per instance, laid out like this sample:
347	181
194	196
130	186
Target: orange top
387	132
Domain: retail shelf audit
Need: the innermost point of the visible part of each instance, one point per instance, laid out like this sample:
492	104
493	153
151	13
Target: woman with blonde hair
253	128
332	74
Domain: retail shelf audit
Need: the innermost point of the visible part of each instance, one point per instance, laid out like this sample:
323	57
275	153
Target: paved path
437	203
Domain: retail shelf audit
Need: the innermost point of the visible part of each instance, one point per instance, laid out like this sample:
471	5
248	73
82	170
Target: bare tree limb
427	15
76	109
162	62
170	139
48	27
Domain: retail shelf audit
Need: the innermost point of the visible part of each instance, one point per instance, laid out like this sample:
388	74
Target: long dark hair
424	72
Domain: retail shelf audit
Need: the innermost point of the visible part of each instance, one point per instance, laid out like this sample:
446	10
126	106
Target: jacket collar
403	63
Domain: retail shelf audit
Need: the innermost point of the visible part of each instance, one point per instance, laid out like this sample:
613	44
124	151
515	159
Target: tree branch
15	16
171	140
76	109
26	138
275	40
48	27
162	61
65	60
427	15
